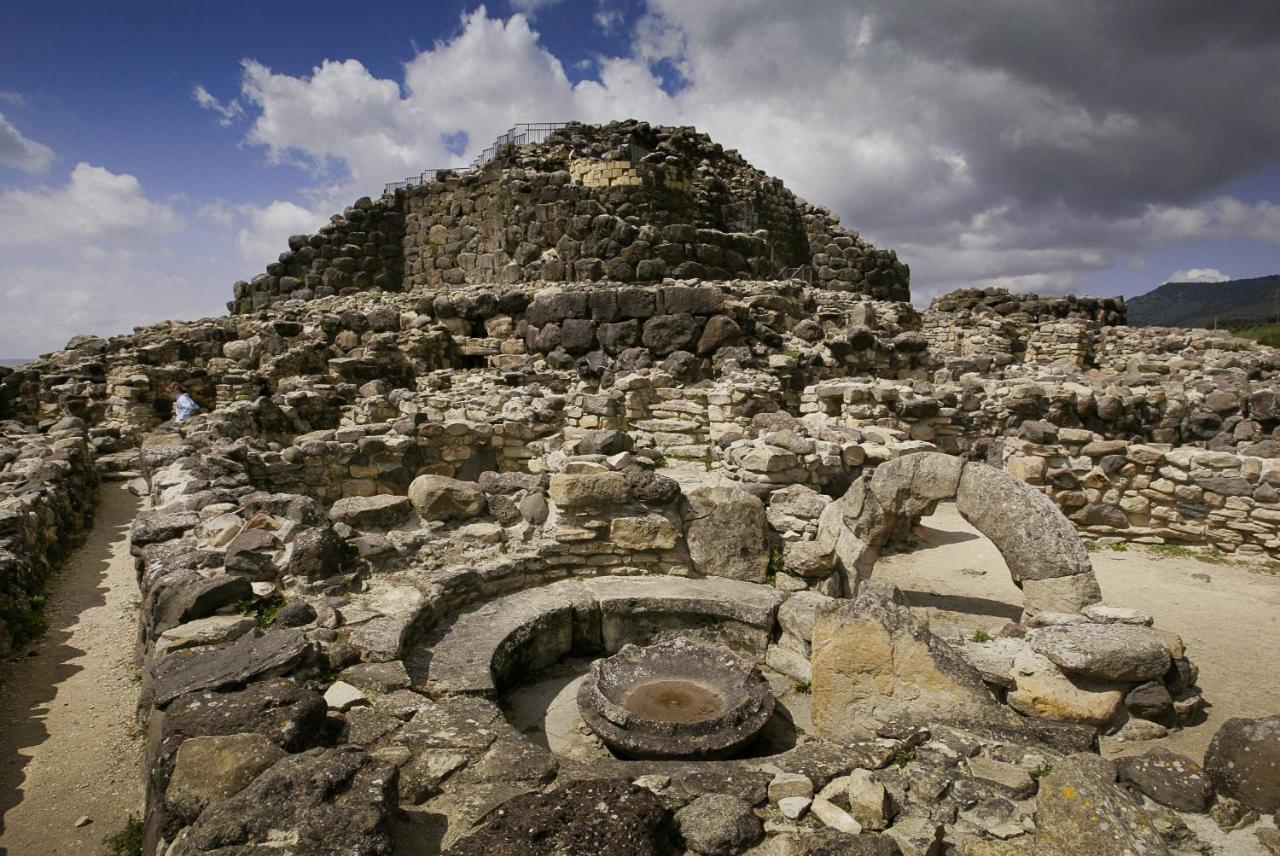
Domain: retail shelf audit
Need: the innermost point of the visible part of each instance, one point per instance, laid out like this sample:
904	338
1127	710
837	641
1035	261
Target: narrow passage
68	745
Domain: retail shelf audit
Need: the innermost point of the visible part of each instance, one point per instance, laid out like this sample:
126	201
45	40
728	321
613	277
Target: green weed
128	841
263	609
903	756
803	686
981	635
25	622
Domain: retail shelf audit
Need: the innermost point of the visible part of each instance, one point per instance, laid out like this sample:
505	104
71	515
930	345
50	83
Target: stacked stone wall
1155	493
48	494
358	250
623	202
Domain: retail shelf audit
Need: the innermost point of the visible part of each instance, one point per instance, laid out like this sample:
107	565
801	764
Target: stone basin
679	699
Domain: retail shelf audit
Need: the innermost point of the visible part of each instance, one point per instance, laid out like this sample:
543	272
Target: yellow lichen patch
1068	792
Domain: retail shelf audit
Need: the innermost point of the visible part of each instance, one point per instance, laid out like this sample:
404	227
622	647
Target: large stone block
1031	533
583	491
1243	761
725	531
442	498
1105	652
872	664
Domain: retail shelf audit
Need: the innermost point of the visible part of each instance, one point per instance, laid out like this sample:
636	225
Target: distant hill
1234	303
14	362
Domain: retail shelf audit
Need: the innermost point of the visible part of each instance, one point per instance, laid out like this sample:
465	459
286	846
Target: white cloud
531	8
267	229
933	133
227	112
18	151
95	204
1198	275
608	18
15	98
98	255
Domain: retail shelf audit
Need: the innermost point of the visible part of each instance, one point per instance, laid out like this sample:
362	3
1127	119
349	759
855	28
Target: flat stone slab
251	657
749	603
534	627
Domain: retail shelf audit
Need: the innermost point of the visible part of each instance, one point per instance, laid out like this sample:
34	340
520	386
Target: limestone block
725	531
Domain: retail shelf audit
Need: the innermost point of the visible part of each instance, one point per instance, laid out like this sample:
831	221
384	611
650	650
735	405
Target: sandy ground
1227	614
68	746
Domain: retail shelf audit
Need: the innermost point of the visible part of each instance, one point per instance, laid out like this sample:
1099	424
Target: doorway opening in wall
951	574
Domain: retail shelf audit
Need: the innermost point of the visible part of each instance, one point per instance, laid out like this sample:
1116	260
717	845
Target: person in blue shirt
184	406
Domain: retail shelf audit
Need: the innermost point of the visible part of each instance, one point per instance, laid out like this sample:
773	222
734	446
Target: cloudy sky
151	154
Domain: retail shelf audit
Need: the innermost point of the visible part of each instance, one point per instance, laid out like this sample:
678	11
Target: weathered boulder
809	559
378	512
253	656
1105	652
321	801
645	532
1150	700
1168	778
315	552
187	595
873	664
719	825
725	531
154	527
208	769
252	552
213	630
1243	761
1080	809
569	819
869	801
442	498
289	716
1068	594
1042	690
719	331
909	486
663	334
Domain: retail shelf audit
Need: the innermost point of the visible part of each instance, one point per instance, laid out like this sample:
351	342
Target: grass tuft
128	841
903	756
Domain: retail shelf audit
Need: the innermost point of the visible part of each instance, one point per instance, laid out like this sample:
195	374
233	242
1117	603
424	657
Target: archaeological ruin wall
623	202
611	390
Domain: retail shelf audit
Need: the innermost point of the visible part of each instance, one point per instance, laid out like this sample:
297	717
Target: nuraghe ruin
616	387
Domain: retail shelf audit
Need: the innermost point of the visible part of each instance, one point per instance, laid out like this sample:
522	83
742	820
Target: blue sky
151	154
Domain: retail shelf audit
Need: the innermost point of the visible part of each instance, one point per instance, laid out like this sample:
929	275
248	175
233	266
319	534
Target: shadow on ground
29	680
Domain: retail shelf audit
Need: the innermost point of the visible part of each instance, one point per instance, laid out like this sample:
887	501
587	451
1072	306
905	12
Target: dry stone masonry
616	394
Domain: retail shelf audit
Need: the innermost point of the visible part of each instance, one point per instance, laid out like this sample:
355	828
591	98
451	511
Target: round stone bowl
676	700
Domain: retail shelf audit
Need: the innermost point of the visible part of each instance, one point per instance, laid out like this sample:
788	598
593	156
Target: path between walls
68	744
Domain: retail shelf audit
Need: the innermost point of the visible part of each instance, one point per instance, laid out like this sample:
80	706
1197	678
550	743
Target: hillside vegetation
1233	304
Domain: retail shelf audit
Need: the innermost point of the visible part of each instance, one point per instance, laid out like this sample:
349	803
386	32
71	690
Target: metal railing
520	135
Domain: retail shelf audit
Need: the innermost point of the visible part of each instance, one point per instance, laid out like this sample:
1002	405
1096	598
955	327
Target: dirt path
1228	614
68	747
